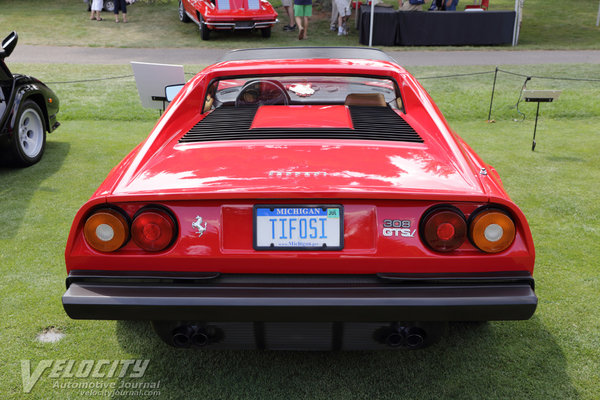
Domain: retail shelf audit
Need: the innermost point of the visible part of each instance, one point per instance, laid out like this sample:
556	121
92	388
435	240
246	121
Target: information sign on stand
539	96
151	80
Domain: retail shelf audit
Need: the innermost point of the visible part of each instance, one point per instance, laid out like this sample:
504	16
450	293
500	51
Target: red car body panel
373	180
302	117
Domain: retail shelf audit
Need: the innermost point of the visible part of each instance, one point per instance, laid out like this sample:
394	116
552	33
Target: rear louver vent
370	123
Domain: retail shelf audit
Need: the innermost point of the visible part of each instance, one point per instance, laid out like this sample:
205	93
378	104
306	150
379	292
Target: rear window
303	90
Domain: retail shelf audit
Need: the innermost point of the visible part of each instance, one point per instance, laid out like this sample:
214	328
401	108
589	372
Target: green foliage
552	356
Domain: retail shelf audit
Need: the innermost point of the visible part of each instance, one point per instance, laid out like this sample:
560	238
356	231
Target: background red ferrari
212	15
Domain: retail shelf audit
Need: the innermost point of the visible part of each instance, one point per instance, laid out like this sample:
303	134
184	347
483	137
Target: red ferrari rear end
291	200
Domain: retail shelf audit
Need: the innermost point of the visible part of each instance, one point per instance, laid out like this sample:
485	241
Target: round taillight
444	229
106	230
153	229
492	230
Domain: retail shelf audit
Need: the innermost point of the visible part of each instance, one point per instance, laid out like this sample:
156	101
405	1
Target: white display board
151	80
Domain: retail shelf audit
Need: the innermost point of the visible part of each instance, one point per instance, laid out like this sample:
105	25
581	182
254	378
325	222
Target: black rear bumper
288	298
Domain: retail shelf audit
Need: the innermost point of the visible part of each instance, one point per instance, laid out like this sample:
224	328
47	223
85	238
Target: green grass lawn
547	24
555	355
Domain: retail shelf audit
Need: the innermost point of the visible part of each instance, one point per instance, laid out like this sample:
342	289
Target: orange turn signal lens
106	230
492	231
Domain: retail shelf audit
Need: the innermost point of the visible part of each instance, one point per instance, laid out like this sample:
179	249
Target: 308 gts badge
398	227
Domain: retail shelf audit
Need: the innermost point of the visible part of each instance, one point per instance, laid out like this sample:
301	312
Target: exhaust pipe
200	337
182	336
395	338
410	337
186	334
190	335
415	337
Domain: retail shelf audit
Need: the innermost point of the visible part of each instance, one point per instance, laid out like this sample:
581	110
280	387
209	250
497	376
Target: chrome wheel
109	5
31	133
182	15
28	138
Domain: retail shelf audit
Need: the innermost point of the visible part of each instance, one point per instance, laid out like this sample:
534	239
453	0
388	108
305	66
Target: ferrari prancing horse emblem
198	225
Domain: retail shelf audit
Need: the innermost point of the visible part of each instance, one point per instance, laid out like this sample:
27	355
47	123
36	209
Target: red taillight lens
106	230
444	229
492	230
153	229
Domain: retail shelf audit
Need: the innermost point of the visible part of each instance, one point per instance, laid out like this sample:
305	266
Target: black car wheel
182	15
266	32
109	5
29	139
204	31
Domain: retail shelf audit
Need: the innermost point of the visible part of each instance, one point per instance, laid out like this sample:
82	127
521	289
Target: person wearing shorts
302	10
344	12
120	5
288	5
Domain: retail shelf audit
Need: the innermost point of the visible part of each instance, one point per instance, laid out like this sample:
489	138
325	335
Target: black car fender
6	110
29	88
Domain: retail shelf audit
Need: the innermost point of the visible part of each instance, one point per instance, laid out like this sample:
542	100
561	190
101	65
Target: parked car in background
212	15
28	110
301	198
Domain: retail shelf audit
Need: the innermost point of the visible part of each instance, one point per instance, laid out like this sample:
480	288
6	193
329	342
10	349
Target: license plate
299	227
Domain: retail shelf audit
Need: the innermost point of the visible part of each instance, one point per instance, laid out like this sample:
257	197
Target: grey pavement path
187	56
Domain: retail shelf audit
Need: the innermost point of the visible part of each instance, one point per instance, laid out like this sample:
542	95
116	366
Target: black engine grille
370	123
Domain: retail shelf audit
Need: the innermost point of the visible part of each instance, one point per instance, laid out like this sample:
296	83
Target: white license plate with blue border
298	227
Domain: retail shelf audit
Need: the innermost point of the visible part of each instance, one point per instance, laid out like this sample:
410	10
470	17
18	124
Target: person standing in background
334	17
437	5
451	5
411	5
344	12
302	10
120	5
96	7
443	5
288	5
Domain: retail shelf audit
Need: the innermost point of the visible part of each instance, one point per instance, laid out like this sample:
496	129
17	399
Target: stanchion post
539	96
492	99
371	23
537	112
